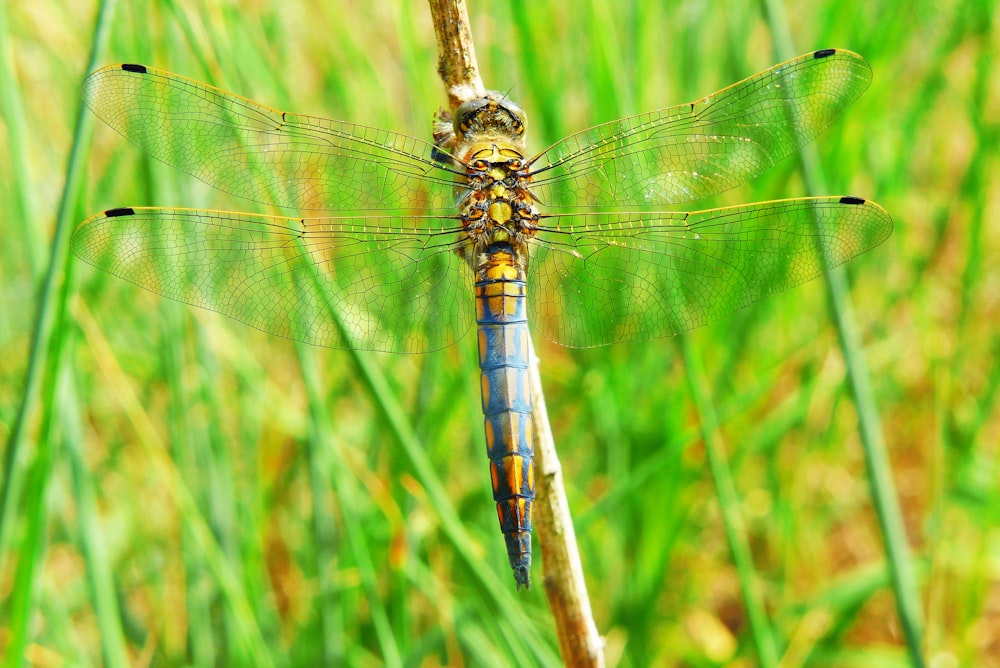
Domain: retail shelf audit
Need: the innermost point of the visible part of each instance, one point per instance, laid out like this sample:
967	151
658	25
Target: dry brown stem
457	56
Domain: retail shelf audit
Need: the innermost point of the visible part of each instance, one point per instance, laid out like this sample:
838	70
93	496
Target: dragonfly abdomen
503	360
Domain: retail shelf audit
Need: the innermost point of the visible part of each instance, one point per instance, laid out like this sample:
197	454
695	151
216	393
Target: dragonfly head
493	115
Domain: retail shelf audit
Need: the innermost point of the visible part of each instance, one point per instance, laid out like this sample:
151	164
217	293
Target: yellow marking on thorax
499	213
496	148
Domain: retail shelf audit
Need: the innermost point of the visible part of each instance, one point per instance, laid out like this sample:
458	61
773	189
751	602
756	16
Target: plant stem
760	627
877	463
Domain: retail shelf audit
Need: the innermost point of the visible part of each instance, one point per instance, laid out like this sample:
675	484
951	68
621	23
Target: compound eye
465	115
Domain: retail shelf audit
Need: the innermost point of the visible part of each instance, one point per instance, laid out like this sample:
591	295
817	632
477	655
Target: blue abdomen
503	359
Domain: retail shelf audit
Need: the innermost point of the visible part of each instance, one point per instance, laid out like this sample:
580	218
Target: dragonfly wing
695	150
604	278
375	283
263	154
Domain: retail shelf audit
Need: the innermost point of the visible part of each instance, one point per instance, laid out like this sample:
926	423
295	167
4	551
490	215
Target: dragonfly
433	238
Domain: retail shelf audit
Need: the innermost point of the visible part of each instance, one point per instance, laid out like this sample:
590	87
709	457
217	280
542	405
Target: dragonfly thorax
498	207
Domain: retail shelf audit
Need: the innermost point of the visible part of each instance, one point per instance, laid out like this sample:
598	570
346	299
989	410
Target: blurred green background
190	491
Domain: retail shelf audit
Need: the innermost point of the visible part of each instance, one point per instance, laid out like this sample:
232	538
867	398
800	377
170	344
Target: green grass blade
36	510
877	463
184	450
321	473
321	433
44	342
12	113
23	599
760	627
248	637
100	570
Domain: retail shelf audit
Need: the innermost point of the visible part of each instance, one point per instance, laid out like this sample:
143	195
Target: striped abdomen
503	359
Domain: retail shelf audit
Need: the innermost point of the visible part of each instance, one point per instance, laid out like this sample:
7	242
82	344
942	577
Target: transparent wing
264	154
602	278
695	150
376	283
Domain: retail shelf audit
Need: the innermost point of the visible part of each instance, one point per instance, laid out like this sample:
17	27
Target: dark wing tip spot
130	67
122	211
823	53
852	200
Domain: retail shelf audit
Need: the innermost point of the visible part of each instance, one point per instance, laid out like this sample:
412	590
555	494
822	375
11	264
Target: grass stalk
51	303
12	113
324	472
879	469
729	504
246	630
100	570
184	446
23	600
